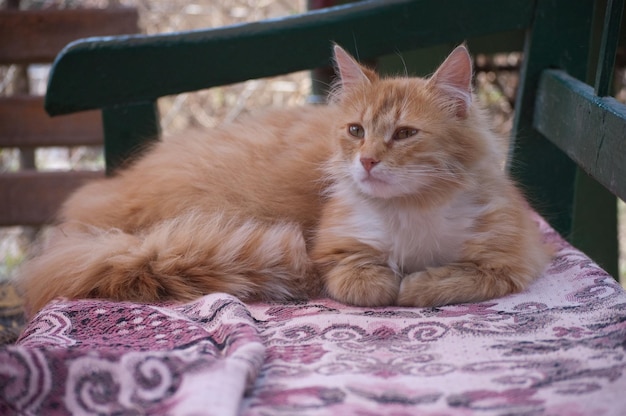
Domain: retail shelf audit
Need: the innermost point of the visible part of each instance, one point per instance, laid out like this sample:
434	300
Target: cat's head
406	136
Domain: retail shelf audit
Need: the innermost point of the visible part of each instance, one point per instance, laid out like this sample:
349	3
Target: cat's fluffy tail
179	259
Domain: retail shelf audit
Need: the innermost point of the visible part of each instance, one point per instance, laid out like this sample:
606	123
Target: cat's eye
356	130
404	133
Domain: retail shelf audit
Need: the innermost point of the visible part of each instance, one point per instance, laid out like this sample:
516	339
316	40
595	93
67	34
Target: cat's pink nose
368	163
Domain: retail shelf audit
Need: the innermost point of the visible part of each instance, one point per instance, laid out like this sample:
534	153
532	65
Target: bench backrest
124	76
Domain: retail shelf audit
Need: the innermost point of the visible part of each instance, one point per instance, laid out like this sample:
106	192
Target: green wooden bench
569	148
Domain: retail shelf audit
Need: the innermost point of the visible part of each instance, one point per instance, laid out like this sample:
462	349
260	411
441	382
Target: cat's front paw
437	287
416	290
455	283
370	285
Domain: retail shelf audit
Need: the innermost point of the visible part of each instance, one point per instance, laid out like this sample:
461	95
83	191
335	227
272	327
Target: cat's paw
416	290
455	283
369	285
437	287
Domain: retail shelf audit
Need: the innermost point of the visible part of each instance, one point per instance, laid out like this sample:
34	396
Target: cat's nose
368	163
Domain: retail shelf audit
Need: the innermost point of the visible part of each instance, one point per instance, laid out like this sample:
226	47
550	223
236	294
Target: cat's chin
377	188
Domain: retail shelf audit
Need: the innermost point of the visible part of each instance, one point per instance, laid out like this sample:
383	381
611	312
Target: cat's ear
454	79
350	71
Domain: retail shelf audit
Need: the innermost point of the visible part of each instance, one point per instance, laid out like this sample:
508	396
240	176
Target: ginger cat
392	194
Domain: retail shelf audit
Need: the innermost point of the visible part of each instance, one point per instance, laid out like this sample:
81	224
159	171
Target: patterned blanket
557	349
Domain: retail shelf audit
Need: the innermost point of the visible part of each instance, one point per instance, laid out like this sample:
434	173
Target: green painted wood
105	72
594	228
593	132
594	213
608	48
421	62
559	38
592	135
127	129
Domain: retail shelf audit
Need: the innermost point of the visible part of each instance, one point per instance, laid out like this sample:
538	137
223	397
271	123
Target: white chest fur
412	239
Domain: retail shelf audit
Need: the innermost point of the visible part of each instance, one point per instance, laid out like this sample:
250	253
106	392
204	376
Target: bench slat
593	132
26	124
32	198
36	36
108	72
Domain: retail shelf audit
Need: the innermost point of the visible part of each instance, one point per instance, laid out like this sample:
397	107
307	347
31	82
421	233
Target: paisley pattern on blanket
556	349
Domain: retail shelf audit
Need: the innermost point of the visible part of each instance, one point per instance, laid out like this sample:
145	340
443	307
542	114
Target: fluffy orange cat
392	194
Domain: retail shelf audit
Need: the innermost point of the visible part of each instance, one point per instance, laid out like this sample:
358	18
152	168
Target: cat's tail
179	259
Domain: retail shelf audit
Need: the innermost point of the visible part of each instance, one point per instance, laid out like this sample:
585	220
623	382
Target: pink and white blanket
557	349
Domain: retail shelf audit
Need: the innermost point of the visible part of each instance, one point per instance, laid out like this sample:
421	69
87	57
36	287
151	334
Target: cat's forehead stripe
387	112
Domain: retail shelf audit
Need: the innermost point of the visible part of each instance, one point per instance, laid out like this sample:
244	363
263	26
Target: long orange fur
391	194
